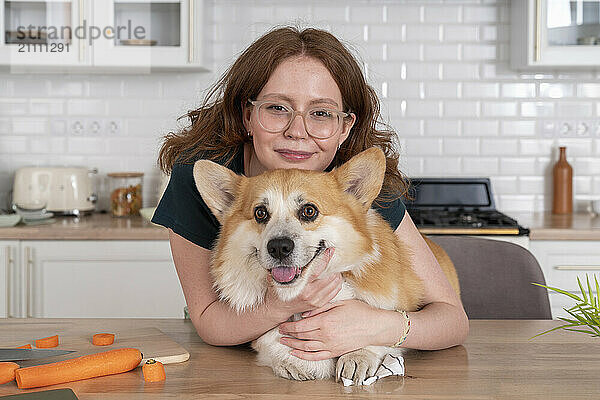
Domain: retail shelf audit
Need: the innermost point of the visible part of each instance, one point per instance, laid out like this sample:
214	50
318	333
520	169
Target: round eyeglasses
319	122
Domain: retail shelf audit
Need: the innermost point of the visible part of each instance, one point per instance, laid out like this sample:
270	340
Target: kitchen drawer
563	261
100	279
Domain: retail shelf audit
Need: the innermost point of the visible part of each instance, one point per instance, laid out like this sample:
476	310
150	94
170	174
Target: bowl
8	220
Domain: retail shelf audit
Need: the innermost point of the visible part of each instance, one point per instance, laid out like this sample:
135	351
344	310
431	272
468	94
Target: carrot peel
103	339
25	346
7	371
90	366
153	371
46	343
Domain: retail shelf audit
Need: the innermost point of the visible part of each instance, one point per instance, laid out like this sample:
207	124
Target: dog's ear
362	175
217	185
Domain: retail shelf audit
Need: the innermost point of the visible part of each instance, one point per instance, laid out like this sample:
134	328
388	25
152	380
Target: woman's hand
318	292
333	330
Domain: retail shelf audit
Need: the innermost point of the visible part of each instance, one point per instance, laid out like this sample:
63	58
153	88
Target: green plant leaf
582	331
548	331
597	292
585	299
585	313
587	278
571	295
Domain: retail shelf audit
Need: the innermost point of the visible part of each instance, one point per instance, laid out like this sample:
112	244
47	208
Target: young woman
302	74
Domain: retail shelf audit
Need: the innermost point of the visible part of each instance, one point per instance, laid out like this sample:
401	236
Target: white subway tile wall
441	69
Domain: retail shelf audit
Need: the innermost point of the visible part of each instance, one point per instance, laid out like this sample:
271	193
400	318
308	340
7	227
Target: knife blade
29	354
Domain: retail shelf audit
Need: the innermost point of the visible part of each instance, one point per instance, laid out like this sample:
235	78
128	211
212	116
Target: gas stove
458	206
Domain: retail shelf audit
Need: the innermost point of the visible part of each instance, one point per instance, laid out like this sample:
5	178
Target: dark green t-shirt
182	209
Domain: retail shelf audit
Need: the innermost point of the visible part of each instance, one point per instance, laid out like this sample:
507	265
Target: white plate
37	217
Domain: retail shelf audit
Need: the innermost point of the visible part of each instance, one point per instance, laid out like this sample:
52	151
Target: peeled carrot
103	339
153	371
48	342
84	367
7	371
25	346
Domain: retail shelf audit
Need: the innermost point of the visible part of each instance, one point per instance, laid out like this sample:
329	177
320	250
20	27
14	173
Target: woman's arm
442	323
215	321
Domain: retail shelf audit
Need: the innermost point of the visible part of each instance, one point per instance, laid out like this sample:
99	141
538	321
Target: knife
29	354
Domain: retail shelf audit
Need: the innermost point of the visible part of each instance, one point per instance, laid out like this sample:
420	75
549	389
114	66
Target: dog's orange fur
337	193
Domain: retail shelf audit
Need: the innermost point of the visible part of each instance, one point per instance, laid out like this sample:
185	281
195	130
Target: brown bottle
562	202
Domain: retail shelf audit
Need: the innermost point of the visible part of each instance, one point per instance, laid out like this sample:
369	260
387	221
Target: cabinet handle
28	263
538	30
191	31
577	267
81	41
9	264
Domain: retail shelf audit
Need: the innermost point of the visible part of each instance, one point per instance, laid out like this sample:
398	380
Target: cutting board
152	342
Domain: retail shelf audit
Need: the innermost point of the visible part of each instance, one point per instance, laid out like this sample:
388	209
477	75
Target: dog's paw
357	365
288	370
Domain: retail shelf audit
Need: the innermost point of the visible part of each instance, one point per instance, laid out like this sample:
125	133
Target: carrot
103	339
25	346
153	371
44	343
90	366
7	371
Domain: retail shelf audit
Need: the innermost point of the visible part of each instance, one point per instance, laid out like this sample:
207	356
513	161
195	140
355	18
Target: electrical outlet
76	127
113	126
583	129
566	128
571	128
93	127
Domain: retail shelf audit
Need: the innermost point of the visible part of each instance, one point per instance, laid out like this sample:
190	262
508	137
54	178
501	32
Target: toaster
61	190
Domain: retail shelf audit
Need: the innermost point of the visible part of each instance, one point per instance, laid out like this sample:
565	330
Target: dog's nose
280	247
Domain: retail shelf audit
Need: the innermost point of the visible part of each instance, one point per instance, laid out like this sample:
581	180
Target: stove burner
475	219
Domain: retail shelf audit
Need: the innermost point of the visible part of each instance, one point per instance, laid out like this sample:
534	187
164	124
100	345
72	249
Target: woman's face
302	83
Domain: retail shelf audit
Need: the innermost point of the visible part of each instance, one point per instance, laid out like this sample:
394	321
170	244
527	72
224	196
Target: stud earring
249	134
339	145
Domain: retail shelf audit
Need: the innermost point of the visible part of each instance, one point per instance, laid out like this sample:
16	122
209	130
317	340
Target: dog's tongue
283	274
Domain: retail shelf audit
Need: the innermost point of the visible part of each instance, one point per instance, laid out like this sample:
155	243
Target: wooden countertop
498	361
97	226
547	226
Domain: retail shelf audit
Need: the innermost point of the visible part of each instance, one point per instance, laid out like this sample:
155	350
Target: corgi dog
279	222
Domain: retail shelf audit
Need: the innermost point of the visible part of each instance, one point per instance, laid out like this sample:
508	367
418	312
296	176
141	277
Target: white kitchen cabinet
27	37
562	262
102	35
174	27
97	279
552	33
9	250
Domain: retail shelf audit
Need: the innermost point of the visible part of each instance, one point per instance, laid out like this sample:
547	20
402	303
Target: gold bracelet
406	328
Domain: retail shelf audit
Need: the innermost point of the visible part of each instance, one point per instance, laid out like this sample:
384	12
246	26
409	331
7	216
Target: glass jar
125	193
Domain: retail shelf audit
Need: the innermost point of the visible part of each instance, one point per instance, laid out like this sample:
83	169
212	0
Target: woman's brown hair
217	130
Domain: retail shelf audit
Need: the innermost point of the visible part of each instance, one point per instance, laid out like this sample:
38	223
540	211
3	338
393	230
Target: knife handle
168	359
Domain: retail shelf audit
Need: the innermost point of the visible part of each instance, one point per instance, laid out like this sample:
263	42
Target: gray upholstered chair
495	278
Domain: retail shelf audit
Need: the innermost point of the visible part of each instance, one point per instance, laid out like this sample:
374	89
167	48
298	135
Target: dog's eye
260	214
308	212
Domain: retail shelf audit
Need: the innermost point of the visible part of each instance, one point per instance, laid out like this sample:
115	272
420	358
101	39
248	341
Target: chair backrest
495	278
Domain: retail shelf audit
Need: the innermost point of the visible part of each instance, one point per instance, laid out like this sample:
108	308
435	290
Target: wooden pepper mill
562	202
